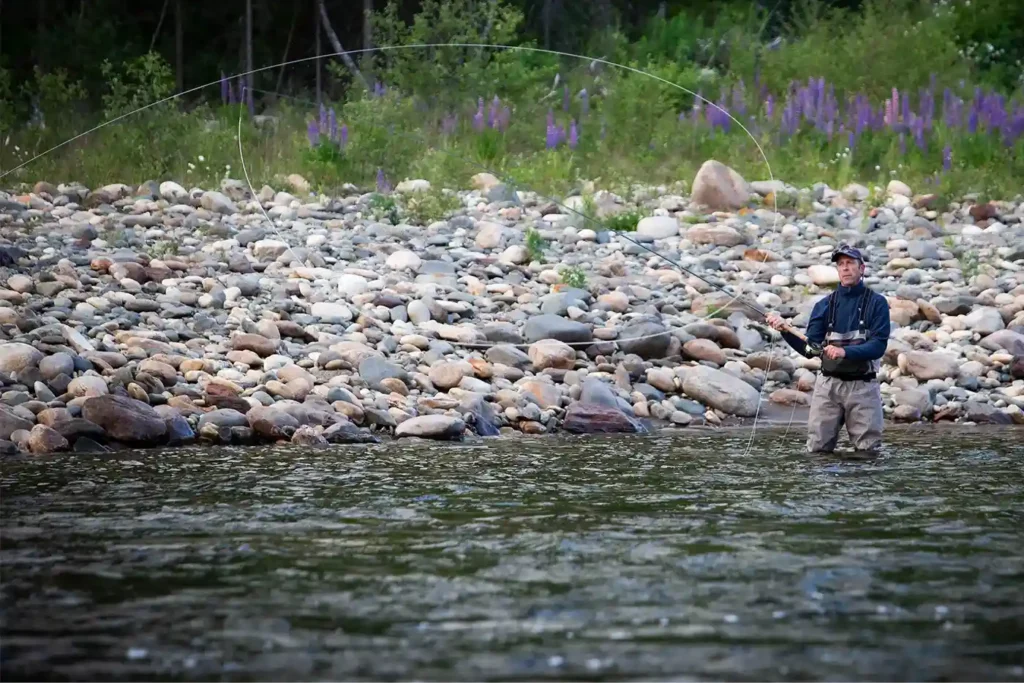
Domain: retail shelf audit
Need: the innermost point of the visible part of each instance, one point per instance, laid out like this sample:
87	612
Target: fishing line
516	184
733	296
384	48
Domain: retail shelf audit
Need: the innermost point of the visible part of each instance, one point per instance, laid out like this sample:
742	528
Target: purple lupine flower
383	186
323	118
947	158
574	135
918	128
972	121
478	117
492	113
332	124
504	118
739	101
551	138
851	141
223	88
344	135
313	133
769	107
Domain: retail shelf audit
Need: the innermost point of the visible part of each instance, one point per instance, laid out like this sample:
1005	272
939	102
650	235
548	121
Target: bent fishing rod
812	348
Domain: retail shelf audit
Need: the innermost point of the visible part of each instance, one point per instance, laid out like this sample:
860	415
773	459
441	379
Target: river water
684	556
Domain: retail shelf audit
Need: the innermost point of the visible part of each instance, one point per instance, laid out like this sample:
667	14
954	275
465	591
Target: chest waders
845	368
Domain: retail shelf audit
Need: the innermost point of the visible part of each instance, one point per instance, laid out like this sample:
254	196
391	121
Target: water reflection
682	556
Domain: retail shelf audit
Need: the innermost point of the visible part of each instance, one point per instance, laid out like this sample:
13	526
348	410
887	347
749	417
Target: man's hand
834	352
776	322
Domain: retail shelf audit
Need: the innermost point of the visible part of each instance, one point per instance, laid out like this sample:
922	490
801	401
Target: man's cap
847	250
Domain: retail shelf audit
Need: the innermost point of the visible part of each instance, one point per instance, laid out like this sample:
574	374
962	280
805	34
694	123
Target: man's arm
815	330
878	332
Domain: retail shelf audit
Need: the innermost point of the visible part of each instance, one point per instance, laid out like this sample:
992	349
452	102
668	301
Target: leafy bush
535	245
424	208
624	222
573	276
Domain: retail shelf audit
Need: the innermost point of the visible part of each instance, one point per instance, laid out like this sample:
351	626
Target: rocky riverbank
155	315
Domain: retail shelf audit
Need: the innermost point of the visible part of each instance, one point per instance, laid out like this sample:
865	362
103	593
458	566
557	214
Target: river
686	555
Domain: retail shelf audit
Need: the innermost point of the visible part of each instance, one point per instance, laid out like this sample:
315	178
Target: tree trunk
287	46
159	25
40	34
248	50
547	24
333	37
179	47
319	91
367	25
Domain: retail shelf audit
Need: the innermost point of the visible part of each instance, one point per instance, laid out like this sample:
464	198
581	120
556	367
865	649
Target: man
852	324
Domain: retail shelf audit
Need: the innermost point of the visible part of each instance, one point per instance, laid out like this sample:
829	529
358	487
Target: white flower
878	168
202	158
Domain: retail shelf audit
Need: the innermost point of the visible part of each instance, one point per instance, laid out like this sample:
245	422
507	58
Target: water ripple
665	556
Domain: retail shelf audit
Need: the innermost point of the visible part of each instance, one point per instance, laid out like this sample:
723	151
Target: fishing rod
814	349
739	298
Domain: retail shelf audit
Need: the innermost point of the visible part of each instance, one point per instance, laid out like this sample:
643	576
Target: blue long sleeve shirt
876	322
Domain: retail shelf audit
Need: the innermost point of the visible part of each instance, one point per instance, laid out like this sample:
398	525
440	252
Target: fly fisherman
849	329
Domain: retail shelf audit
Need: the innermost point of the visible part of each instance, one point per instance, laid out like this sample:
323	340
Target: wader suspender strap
861	310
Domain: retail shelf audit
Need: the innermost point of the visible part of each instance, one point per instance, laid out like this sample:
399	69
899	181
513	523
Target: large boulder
646	338
926	365
442	427
719	188
720	390
271	423
556	327
551	353
657	227
11	422
591	418
17	357
125	419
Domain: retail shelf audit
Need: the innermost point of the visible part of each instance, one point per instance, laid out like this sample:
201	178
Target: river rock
43	439
441	427
721	390
657	227
125	419
719	188
647	339
16	357
984	320
590	418
926	365
556	327
271	423
11	422
551	353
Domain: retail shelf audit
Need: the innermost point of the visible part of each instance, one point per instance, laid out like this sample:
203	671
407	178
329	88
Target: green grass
631	133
